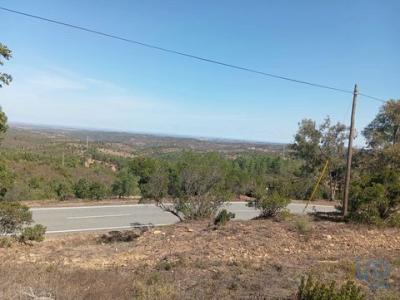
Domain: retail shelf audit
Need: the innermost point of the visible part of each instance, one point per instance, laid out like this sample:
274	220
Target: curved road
110	217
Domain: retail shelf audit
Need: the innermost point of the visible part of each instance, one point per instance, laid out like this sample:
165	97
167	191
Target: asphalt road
110	217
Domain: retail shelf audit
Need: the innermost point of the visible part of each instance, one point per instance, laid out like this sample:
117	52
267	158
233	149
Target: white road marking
105	228
101	216
154	205
94	206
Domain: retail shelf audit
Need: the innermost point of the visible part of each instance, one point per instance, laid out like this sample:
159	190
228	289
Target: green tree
82	189
62	189
272	199
5	79
126	184
153	177
201	186
384	130
6	54
97	190
316	145
6	178
13	217
375	191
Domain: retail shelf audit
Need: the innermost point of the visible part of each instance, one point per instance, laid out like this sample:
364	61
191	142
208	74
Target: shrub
33	233
6	179
97	191
223	217
126	184
13	216
82	188
302	225
63	190
314	290
196	183
283	215
270	203
375	192
5	242
394	220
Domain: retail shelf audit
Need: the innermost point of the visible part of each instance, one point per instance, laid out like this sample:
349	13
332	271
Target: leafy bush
223	217
33	233
302	225
394	220
126	184
63	190
6	180
13	216
196	184
314	290
375	194
97	191
84	189
270	201
5	242
283	215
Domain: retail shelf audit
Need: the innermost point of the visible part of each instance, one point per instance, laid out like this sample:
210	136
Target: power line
199	58
373	98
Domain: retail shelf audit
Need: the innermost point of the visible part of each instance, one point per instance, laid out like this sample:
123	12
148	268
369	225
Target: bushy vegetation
375	193
14	220
315	290
13	217
33	233
223	217
271	200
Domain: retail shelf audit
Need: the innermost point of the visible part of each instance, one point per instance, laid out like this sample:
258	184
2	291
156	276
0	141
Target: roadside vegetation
193	185
15	217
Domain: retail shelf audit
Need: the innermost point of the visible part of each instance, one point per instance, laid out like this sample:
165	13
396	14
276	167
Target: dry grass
259	259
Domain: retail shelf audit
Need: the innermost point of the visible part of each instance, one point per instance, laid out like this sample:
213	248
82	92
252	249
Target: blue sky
72	78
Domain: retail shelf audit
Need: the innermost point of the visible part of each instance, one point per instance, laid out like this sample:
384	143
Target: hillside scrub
257	259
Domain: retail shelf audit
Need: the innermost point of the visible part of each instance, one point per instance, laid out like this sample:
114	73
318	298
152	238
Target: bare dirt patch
259	259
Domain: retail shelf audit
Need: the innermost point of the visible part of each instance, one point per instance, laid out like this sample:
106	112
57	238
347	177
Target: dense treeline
29	175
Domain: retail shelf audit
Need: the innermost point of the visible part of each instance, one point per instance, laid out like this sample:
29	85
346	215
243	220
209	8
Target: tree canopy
384	130
6	54
316	145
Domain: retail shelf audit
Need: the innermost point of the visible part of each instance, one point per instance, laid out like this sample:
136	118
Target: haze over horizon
64	77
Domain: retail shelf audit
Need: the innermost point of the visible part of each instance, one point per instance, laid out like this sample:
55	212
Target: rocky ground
258	259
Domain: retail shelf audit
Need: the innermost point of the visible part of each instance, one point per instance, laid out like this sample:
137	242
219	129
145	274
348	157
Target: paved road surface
109	217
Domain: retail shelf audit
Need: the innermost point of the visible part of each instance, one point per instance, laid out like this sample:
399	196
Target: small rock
328	237
190	230
157	231
286	250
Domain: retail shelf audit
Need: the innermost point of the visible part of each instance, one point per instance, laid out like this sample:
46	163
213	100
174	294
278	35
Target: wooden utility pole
349	154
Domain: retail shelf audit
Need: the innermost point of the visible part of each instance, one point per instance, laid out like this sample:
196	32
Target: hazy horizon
72	78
